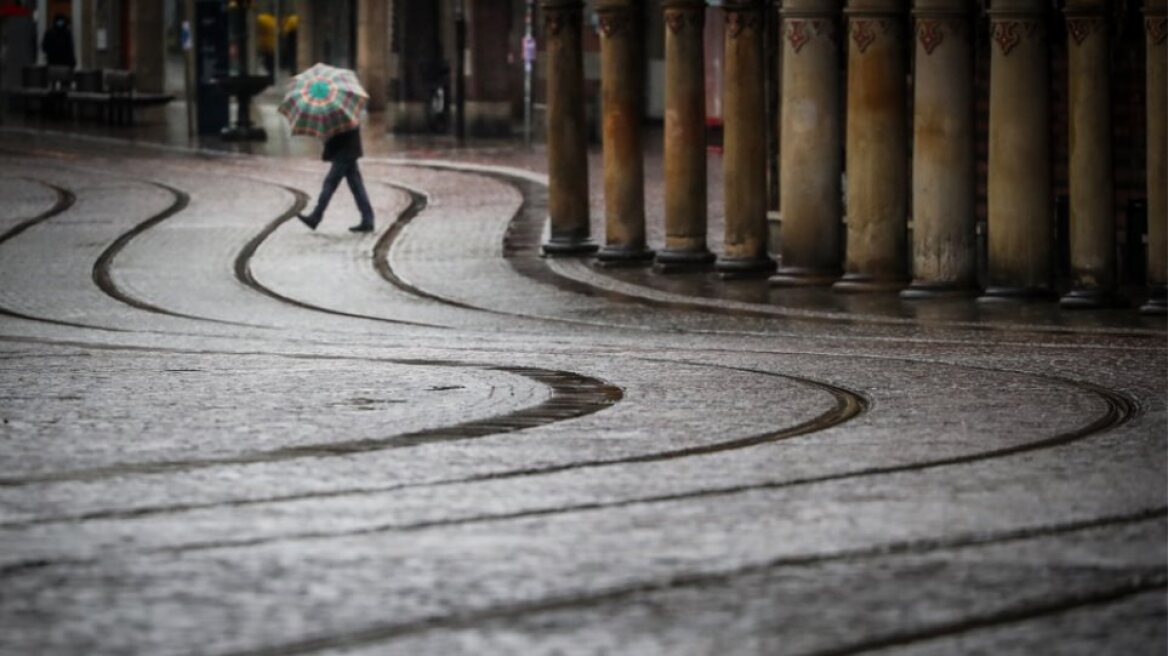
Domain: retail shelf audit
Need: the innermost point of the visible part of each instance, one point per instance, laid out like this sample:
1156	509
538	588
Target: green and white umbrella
323	101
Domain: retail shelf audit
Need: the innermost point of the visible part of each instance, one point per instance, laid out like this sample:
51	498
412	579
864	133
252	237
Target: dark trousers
344	169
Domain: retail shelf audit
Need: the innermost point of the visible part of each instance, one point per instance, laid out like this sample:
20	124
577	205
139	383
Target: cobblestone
817	477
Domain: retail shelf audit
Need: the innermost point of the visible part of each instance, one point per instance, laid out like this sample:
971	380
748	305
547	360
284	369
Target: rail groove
1119	409
65	200
572	395
244	274
1150	581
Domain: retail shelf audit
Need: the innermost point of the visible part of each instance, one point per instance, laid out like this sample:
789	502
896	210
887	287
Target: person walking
58	44
326	102
343	150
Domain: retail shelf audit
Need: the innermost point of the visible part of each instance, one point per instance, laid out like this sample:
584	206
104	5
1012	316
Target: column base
612	257
922	290
863	283
568	247
1157	304
673	261
737	268
1090	299
1015	294
803	277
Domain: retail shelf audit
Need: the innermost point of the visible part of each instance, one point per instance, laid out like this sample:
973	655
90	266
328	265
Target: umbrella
323	101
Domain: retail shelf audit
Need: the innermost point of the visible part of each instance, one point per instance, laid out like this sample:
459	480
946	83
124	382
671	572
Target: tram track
847	405
65	200
1151	580
1119	410
243	259
572	395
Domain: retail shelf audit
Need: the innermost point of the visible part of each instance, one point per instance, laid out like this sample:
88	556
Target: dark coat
343	146
58	47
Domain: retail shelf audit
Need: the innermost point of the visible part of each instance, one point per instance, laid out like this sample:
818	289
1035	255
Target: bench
34	88
124	100
89	93
59	91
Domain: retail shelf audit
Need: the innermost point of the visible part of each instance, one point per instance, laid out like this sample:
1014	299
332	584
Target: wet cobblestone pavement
225	434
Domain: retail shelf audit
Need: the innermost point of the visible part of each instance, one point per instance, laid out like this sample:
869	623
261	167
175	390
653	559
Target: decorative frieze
1081	28
864	31
801	31
1009	33
1157	30
736	21
931	32
676	20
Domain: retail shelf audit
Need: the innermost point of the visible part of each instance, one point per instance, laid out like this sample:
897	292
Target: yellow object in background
266	32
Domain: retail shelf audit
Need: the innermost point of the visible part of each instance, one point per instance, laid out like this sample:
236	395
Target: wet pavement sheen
225	434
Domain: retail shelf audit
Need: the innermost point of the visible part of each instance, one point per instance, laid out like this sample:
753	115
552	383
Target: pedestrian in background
58	44
343	150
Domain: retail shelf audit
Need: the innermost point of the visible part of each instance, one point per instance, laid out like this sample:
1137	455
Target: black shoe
308	221
362	227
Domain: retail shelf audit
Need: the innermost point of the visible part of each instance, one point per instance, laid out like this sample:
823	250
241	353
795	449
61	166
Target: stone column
1092	189
621	63
685	138
373	50
306	22
943	174
1021	221
877	148
567	133
1156	25
810	152
147	55
744	142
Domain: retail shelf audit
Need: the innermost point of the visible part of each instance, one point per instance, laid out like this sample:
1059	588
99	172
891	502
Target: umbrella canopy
323	101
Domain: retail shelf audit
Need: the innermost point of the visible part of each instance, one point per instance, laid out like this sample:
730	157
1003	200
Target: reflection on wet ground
710	285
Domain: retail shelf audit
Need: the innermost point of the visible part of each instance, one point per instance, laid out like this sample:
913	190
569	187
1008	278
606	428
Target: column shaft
373	50
877	148
306	22
943	173
744	148
1092	223
567	133
147	55
685	137
1156	25
1020	217
810	153
621	62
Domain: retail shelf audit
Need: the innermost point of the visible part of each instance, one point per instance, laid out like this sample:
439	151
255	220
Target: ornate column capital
1013	21
680	13
1084	18
616	16
868	19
